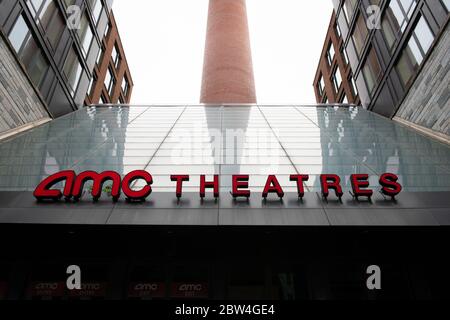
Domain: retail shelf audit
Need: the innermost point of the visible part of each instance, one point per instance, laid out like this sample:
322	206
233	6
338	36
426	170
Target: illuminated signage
74	185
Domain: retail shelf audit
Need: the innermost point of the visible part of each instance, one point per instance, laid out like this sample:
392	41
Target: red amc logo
74	185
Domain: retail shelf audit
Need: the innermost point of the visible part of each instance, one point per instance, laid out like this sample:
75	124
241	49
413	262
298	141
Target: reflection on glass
73	69
413	55
29	53
396	19
309	140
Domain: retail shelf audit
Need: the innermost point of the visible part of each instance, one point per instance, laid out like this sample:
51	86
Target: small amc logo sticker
190	290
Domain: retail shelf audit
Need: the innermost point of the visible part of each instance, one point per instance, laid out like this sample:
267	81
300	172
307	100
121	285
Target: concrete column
228	68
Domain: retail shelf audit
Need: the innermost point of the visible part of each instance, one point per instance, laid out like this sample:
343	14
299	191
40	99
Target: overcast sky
164	42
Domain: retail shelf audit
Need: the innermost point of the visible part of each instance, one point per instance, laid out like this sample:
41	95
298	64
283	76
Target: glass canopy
226	140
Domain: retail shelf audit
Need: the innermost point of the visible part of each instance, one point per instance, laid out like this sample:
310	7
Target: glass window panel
413	55
321	85
338	31
125	86
100	56
115	56
96	6
85	33
359	34
52	22
353	86
349	9
344	55
424	35
446	4
110	81
330	54
396	19
344	99
29	53
69	3
18	34
73	70
337	79
371	71
108	27
91	86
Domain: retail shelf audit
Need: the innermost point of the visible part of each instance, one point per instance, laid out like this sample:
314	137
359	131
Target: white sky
164	42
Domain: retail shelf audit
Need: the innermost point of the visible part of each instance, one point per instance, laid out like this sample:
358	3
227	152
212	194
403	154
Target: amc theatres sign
74	185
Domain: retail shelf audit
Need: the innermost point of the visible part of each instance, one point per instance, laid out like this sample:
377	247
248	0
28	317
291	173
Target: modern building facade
189	248
52	54
400	61
223	201
333	82
112	81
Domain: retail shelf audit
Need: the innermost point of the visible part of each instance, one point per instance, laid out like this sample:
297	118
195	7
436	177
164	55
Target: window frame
74	89
112	81
424	54
127	86
376	77
45	28
356	29
330	49
321	85
407	14
30	37
334	80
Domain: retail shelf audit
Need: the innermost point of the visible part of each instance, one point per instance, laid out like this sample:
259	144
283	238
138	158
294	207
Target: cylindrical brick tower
228	68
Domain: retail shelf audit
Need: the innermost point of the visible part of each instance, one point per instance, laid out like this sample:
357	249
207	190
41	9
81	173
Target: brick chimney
228	69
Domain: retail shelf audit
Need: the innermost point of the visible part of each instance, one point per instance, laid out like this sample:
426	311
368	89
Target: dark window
28	51
85	33
330	54
353	86
371	71
49	17
91	86
100	56
396	19
108	27
103	99
359	34
320	85
338	31
344	55
337	79
349	9
414	53
96	7
73	70
110	81
125	86
116	56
